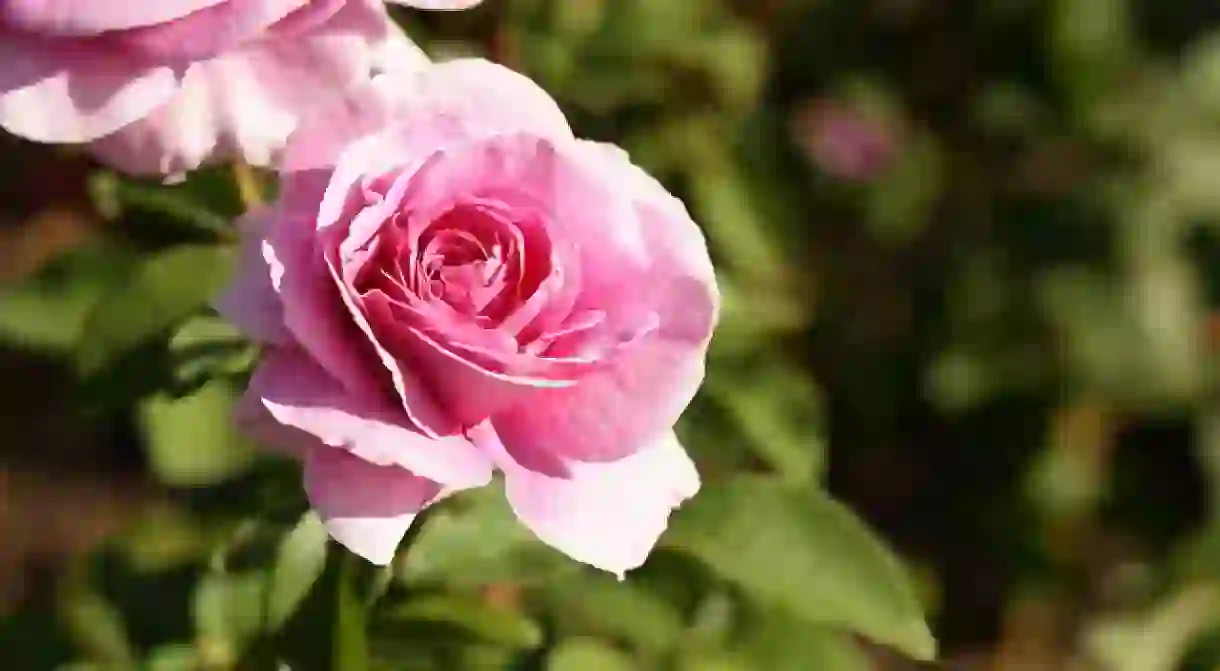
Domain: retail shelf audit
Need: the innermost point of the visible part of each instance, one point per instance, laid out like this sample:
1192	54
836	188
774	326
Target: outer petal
437	4
365	507
299	394
676	244
258	424
64	91
209	31
250	302
434	106
606	515
90	17
245	103
609	415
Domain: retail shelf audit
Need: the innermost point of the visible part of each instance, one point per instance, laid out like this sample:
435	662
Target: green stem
350	632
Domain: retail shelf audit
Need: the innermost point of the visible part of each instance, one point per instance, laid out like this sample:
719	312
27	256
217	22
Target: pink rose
162	86
450	284
844	142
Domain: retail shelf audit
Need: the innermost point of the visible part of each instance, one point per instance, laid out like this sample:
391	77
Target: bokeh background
970	251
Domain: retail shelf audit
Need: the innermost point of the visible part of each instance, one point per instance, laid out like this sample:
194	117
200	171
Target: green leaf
778	408
780	642
715	660
475	616
626	611
735	60
350	638
752	316
300	560
474	539
587	654
228	611
901	202
206	347
205	202
95	625
1091	46
806	554
164	537
164	289
727	208
173	657
191	441
1157	640
47	311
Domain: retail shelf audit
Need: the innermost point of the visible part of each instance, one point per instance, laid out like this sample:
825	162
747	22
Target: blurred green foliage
969	256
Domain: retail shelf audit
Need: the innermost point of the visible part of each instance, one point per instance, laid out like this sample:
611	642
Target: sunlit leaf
778	409
625	611
350	651
1157	640
300	560
173	657
192	440
806	554
474	539
228	611
163	290
586	654
48	310
779	642
474	616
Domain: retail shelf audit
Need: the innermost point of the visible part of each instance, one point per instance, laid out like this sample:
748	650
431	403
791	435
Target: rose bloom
452	284
844	142
162	86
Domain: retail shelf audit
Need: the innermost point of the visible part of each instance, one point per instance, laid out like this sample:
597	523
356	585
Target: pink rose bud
162	86
451	284
844	142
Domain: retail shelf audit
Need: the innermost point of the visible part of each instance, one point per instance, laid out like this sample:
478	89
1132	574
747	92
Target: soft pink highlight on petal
451	101
437	4
607	515
297	393
365	507
208	31
90	17
609	415
248	101
68	92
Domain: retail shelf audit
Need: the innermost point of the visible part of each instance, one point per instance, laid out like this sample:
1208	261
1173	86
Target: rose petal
90	17
434	106
612	414
681	272
245	103
468	392
419	404
66	91
250	302
606	515
301	395
437	4
257	423
208	31
328	324
367	508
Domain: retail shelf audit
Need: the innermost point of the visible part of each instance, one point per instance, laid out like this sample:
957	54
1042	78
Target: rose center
467	286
